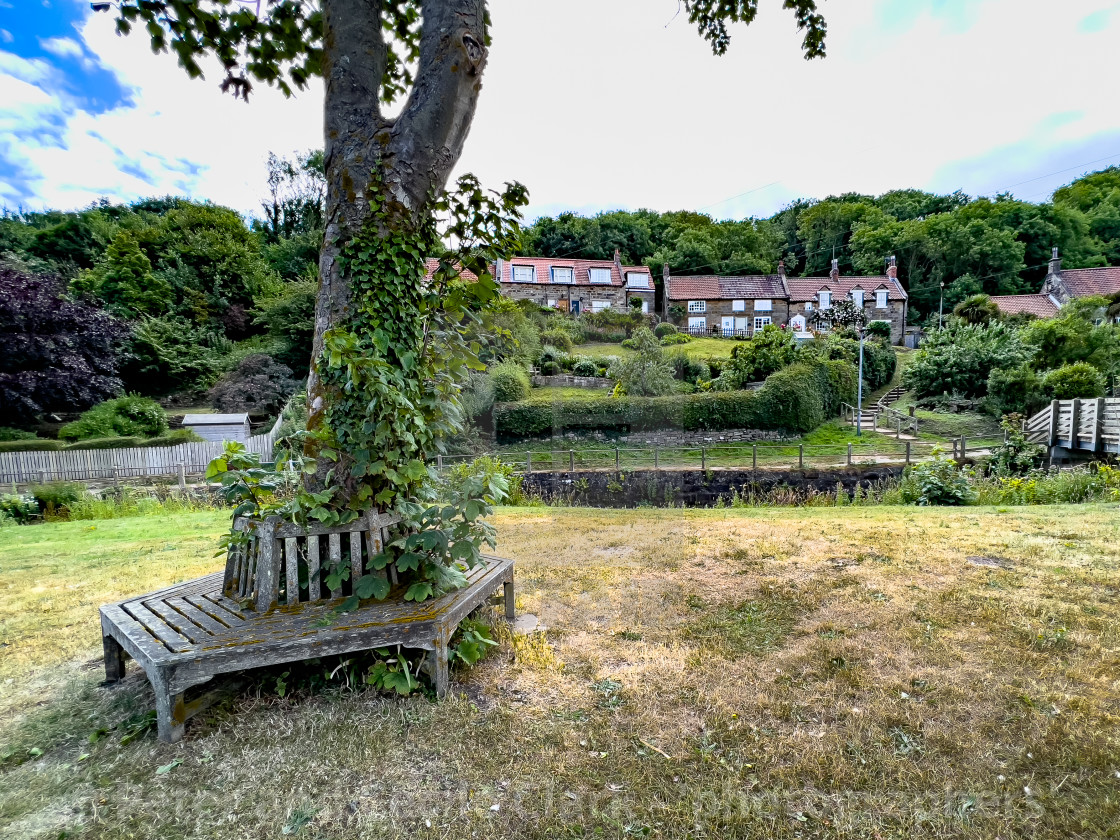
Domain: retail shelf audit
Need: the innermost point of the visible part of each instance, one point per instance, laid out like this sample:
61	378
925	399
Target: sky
605	104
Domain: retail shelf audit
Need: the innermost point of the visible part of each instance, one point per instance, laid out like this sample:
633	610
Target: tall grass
130	501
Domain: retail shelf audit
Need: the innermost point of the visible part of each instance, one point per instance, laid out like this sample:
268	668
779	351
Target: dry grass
825	673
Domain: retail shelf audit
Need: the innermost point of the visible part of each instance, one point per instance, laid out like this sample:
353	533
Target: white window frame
645	307
764	305
600	305
738	306
700	323
857	298
881	299
761	321
532	269
742	324
592	273
559	271
552	303
808	306
697	307
637	280
824	298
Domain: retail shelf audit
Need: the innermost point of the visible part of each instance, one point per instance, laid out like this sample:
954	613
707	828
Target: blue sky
611	103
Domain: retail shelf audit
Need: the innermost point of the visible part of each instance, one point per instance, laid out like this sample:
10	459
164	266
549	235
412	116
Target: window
764	306
741	326
857	298
697	306
637	280
808	307
552	303
881	299
761	322
738	306
600	305
645	307
524	274
601	275
825	299
561	275
697	325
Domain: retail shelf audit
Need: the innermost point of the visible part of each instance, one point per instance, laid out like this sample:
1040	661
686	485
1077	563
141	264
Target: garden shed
218	427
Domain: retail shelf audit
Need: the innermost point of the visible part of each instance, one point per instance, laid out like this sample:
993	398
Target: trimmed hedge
38	445
130	442
797	399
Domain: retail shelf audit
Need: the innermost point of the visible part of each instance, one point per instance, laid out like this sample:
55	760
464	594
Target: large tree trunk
412	155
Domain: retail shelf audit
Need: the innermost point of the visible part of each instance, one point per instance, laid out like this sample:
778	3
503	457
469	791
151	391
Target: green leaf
372	586
419	591
167	768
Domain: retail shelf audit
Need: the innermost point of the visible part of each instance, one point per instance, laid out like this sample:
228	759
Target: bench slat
291	557
268	565
355	557
224	606
211	624
133	637
313	567
177	622
171	638
335	547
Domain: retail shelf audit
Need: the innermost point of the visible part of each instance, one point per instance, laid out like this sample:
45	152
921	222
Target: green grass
810	673
698	348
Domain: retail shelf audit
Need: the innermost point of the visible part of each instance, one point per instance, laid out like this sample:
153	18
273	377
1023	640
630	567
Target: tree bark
413	154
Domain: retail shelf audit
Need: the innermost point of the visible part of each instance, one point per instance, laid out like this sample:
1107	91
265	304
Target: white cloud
62	47
6	37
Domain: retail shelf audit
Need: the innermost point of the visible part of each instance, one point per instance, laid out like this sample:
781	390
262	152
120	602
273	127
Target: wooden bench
272	605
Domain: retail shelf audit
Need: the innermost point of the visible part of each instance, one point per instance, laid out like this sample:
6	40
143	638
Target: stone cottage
1060	287
881	298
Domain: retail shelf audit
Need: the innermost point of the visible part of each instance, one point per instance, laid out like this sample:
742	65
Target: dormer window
881	299
561	275
824	298
637	280
524	274
600	276
857	298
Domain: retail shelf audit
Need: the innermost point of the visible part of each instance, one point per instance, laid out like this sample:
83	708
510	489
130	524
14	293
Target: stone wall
693	488
566	380
716	309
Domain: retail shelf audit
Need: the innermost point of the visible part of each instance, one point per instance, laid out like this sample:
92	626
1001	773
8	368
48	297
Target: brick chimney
618	261
892	268
1055	263
834	275
782	269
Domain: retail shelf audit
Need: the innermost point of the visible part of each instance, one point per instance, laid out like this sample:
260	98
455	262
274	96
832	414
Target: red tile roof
806	288
581	272
1039	305
433	264
1088	282
711	287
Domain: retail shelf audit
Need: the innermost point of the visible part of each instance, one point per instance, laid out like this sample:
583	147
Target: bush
663	329
486	468
879	359
132	415
7	433
259	384
511	382
128	442
584	367
57	496
550	368
687	369
797	399
960	358
879	329
936	482
645	374
1015	456
478	395
1069	382
675	338
173	438
558	339
755	359
1016	390
38	445
20	507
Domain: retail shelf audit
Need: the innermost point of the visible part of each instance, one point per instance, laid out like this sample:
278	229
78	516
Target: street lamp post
859	389
941	305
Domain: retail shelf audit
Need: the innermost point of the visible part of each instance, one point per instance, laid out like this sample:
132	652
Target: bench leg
170	712
441	671
114	659
507	588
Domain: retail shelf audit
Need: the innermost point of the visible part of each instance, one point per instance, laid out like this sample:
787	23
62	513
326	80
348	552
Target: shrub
685	368
57	496
486	468
38	445
1019	389
20	507
879	359
173	438
1080	379
675	338
258	384
128	442
550	368
755	359
511	382
584	367
879	329
7	433
478	395
558	339
132	415
936	482
1015	456
645	374
960	358
663	329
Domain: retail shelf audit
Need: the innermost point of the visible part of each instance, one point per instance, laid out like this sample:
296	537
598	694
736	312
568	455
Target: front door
575	307
729	325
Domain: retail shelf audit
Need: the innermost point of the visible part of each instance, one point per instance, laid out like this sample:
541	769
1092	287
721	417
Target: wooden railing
1091	425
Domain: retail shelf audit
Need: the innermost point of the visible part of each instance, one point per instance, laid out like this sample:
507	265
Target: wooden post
898	429
528	462
1098	421
964	448
571	460
1074	420
955	456
849	454
754	456
42	476
656	462
1055	410
907	452
703	459
116	476
801	456
617	467
182	475
439	463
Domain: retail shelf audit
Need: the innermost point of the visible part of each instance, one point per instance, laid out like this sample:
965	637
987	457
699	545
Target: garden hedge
796	400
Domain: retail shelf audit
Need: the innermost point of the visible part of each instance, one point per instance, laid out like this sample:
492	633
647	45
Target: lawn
698	348
792	673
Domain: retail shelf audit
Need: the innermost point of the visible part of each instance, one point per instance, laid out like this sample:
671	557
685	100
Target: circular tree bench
272	605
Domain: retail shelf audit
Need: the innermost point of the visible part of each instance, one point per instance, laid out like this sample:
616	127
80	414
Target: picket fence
93	464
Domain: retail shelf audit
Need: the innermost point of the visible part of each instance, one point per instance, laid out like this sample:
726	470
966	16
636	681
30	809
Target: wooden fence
1091	425
93	464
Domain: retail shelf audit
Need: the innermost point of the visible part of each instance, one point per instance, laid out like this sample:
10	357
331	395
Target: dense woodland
173	297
